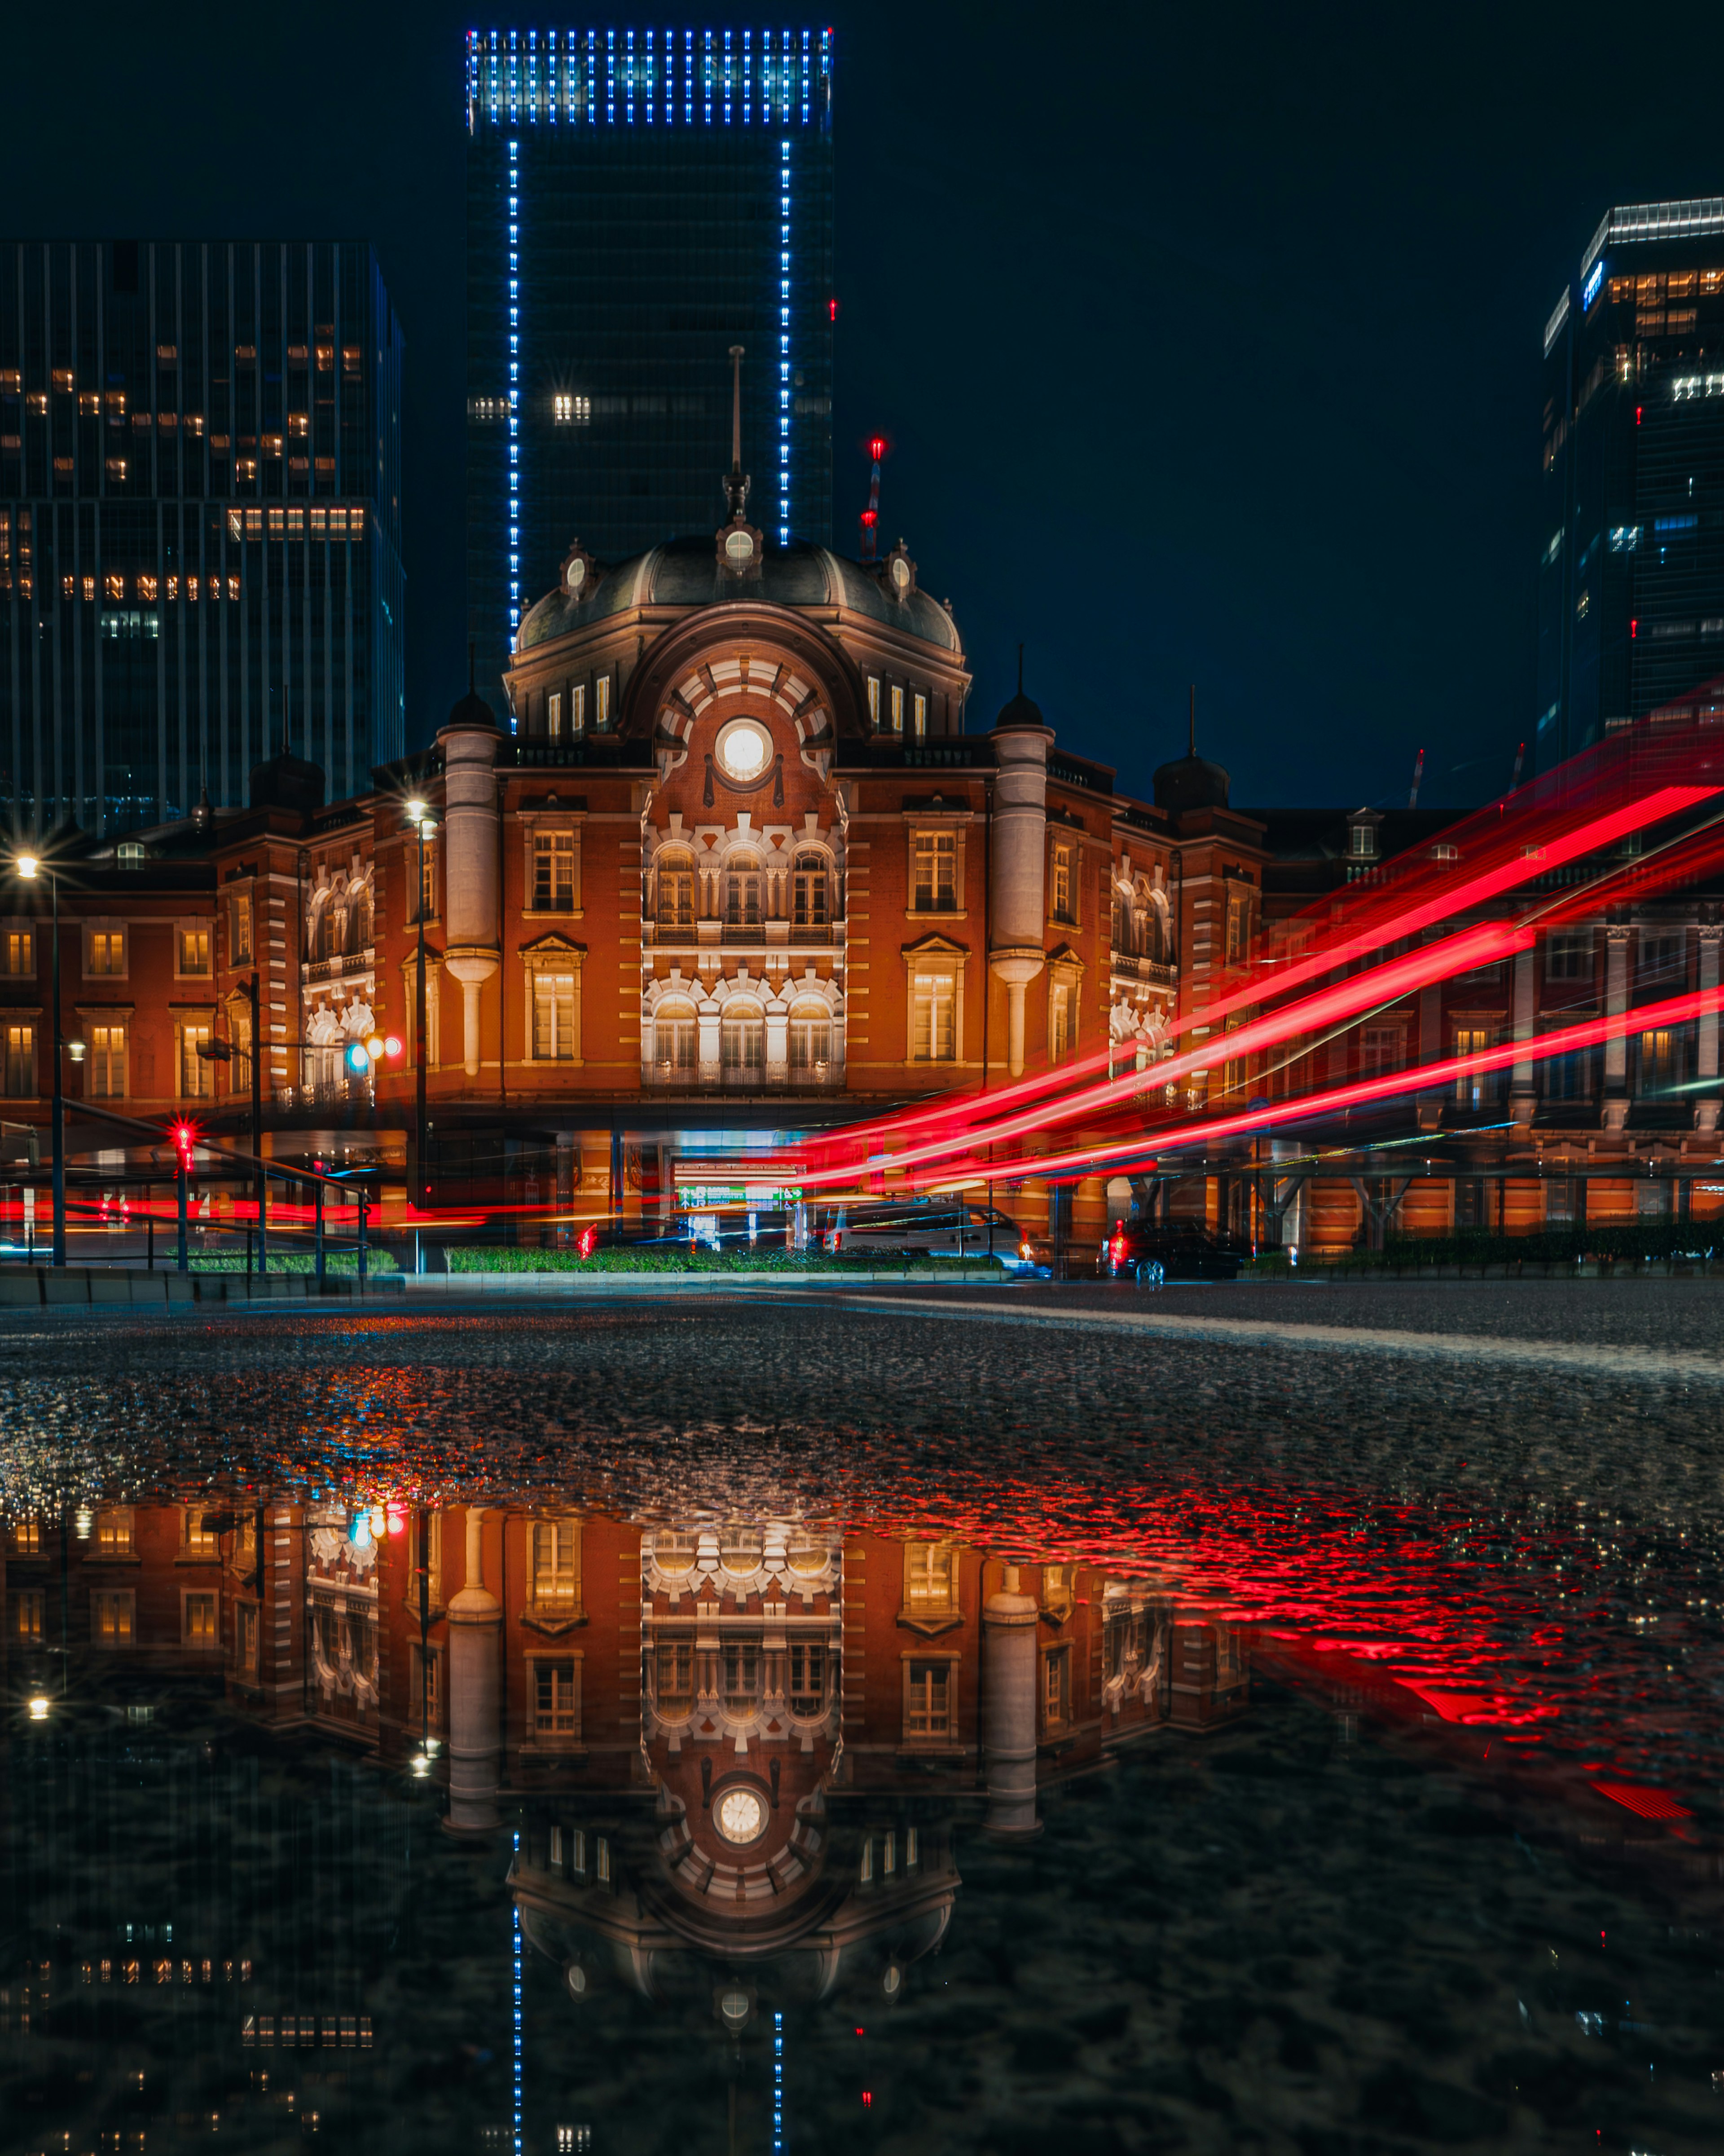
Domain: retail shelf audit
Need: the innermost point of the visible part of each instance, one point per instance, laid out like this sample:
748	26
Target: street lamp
29	867
424	824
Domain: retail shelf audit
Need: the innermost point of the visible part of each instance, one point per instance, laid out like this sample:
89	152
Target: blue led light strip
765	85
516	1973
778	2080
784	342
514	230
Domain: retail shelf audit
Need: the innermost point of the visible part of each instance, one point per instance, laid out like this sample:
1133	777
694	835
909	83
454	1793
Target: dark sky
1207	340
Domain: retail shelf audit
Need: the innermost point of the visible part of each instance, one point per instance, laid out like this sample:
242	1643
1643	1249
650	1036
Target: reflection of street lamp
424	824
29	867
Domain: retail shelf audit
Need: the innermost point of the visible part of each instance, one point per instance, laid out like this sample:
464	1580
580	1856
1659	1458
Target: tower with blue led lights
638	201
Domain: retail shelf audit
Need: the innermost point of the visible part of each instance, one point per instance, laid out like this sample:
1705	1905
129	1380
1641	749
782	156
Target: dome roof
1191	782
1021	712
685	573
472	710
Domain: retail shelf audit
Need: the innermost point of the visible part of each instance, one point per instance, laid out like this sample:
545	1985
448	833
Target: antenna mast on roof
870	515
1520	758
736	483
1417	773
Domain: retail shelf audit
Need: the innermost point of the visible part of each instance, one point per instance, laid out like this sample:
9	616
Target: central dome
685	573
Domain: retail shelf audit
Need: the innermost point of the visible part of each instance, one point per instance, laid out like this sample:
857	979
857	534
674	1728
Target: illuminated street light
38	1708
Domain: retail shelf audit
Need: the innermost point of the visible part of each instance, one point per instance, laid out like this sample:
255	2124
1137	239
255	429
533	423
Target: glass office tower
200	522
1631	575
637	201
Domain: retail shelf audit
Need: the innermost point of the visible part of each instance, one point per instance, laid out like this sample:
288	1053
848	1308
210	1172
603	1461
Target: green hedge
501	1260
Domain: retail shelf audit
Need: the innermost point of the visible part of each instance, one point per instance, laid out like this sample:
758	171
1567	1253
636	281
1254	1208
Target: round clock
739	1815
901	572
575	578
739	546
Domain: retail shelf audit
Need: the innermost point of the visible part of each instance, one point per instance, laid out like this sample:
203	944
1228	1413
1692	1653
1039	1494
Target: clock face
900	573
743	749
739	546
739	1815
577	577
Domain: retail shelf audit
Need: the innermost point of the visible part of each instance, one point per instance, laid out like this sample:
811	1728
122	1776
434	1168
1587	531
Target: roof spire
1020	670
470	662
736	483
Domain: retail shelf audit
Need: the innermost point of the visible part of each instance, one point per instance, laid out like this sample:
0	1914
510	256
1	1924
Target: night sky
1208	341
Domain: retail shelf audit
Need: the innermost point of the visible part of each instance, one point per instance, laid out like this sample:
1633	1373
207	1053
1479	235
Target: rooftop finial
736	485
1191	745
470	664
1020	670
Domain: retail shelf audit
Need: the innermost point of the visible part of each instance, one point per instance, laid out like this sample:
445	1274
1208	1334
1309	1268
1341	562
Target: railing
333	969
947	753
729	1079
1126	963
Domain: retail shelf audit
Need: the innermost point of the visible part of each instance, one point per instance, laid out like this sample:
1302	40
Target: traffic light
185	1137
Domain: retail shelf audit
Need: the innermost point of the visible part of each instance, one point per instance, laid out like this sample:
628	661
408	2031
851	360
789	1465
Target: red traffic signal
185	1137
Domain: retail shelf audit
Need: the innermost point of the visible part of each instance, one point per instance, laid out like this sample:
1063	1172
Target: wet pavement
1372	1700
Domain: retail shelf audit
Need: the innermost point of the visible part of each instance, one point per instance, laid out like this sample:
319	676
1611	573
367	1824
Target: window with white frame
554	871
933	1017
17	950
810	1039
106	1061
807	1678
105	953
197	1539
1380	1050
676	1035
194	1069
192	950
1056	1688
930	1579
741	1041
554	1017
555	1564
739	1673
239	927
809	905
921	716
934	872
928	1690
897	710
1475	1089
601	715
555	1699
741	907
20	1078
1062	887
112	1615
676	890
29	1609
553	714
873	701
1062	1017
113	1532
674	1677
199	1622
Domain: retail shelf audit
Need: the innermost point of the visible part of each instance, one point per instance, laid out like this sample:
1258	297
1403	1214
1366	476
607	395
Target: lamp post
29	866
423	826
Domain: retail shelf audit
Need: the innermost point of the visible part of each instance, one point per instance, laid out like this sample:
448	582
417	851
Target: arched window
1123	922
742	906
676	891
674	1034
327	935
741	1044
810	1041
360	902
809	900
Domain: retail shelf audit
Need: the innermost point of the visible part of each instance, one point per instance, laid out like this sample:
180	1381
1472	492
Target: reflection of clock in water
576	576
739	546
901	572
743	750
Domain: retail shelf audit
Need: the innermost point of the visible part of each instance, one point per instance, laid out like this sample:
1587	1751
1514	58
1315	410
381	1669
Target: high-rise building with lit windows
200	522
638	201
1631	573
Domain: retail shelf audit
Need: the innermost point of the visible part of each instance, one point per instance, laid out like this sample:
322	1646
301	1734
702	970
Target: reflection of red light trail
1527	850
1422	1077
1476	947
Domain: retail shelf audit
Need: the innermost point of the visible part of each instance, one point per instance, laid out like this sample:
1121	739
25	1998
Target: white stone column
1616	1050
475	1623
1523	1086
1009	1702
471	893
1706	1110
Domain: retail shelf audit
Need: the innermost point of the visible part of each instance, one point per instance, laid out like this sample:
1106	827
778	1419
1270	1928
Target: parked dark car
935	1228
1182	1253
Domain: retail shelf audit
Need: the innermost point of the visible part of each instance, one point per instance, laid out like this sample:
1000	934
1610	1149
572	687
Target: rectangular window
1238	915
241	945
427	885
1568	955
1062	881
1660	1061
927	1699
107	1062
554	1018
200	1622
20	1062
27	1538
111	1611
921	716
1060	1027
935	879
107	951
742	1042
198	1540
933	1019
113	1532
246	1614
930	1579
578	708
675	1670
897	710
17	951
1663	960
873	701
807	1678
554	871
194	1069
1381	1047
1056	1688
553	715
194	951
556	1711
27	1626
739	1660
1475	1089
603	709
557	1564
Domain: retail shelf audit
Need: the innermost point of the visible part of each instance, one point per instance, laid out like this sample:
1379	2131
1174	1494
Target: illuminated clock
743	749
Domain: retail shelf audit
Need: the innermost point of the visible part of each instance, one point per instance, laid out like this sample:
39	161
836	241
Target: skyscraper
637	201
1631	577
200	521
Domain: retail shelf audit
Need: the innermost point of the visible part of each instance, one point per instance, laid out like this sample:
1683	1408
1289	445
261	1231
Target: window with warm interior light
200	1628
553	714
239	918
810	1039
111	1611
1475	1089
554	1036
106	1064
194	1068
921	716
197	1539
741	1041
873	701
742	892
107	952
27	1537
1056	1688
808	891
676	891
739	1673
1060	1031
17	951
556	1700
930	1579
927	1699
603	692
29	1608
1380	1050
246	1614
113	1532
193	950
807	1678
674	1677
933	1018
20	1080
556	1564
